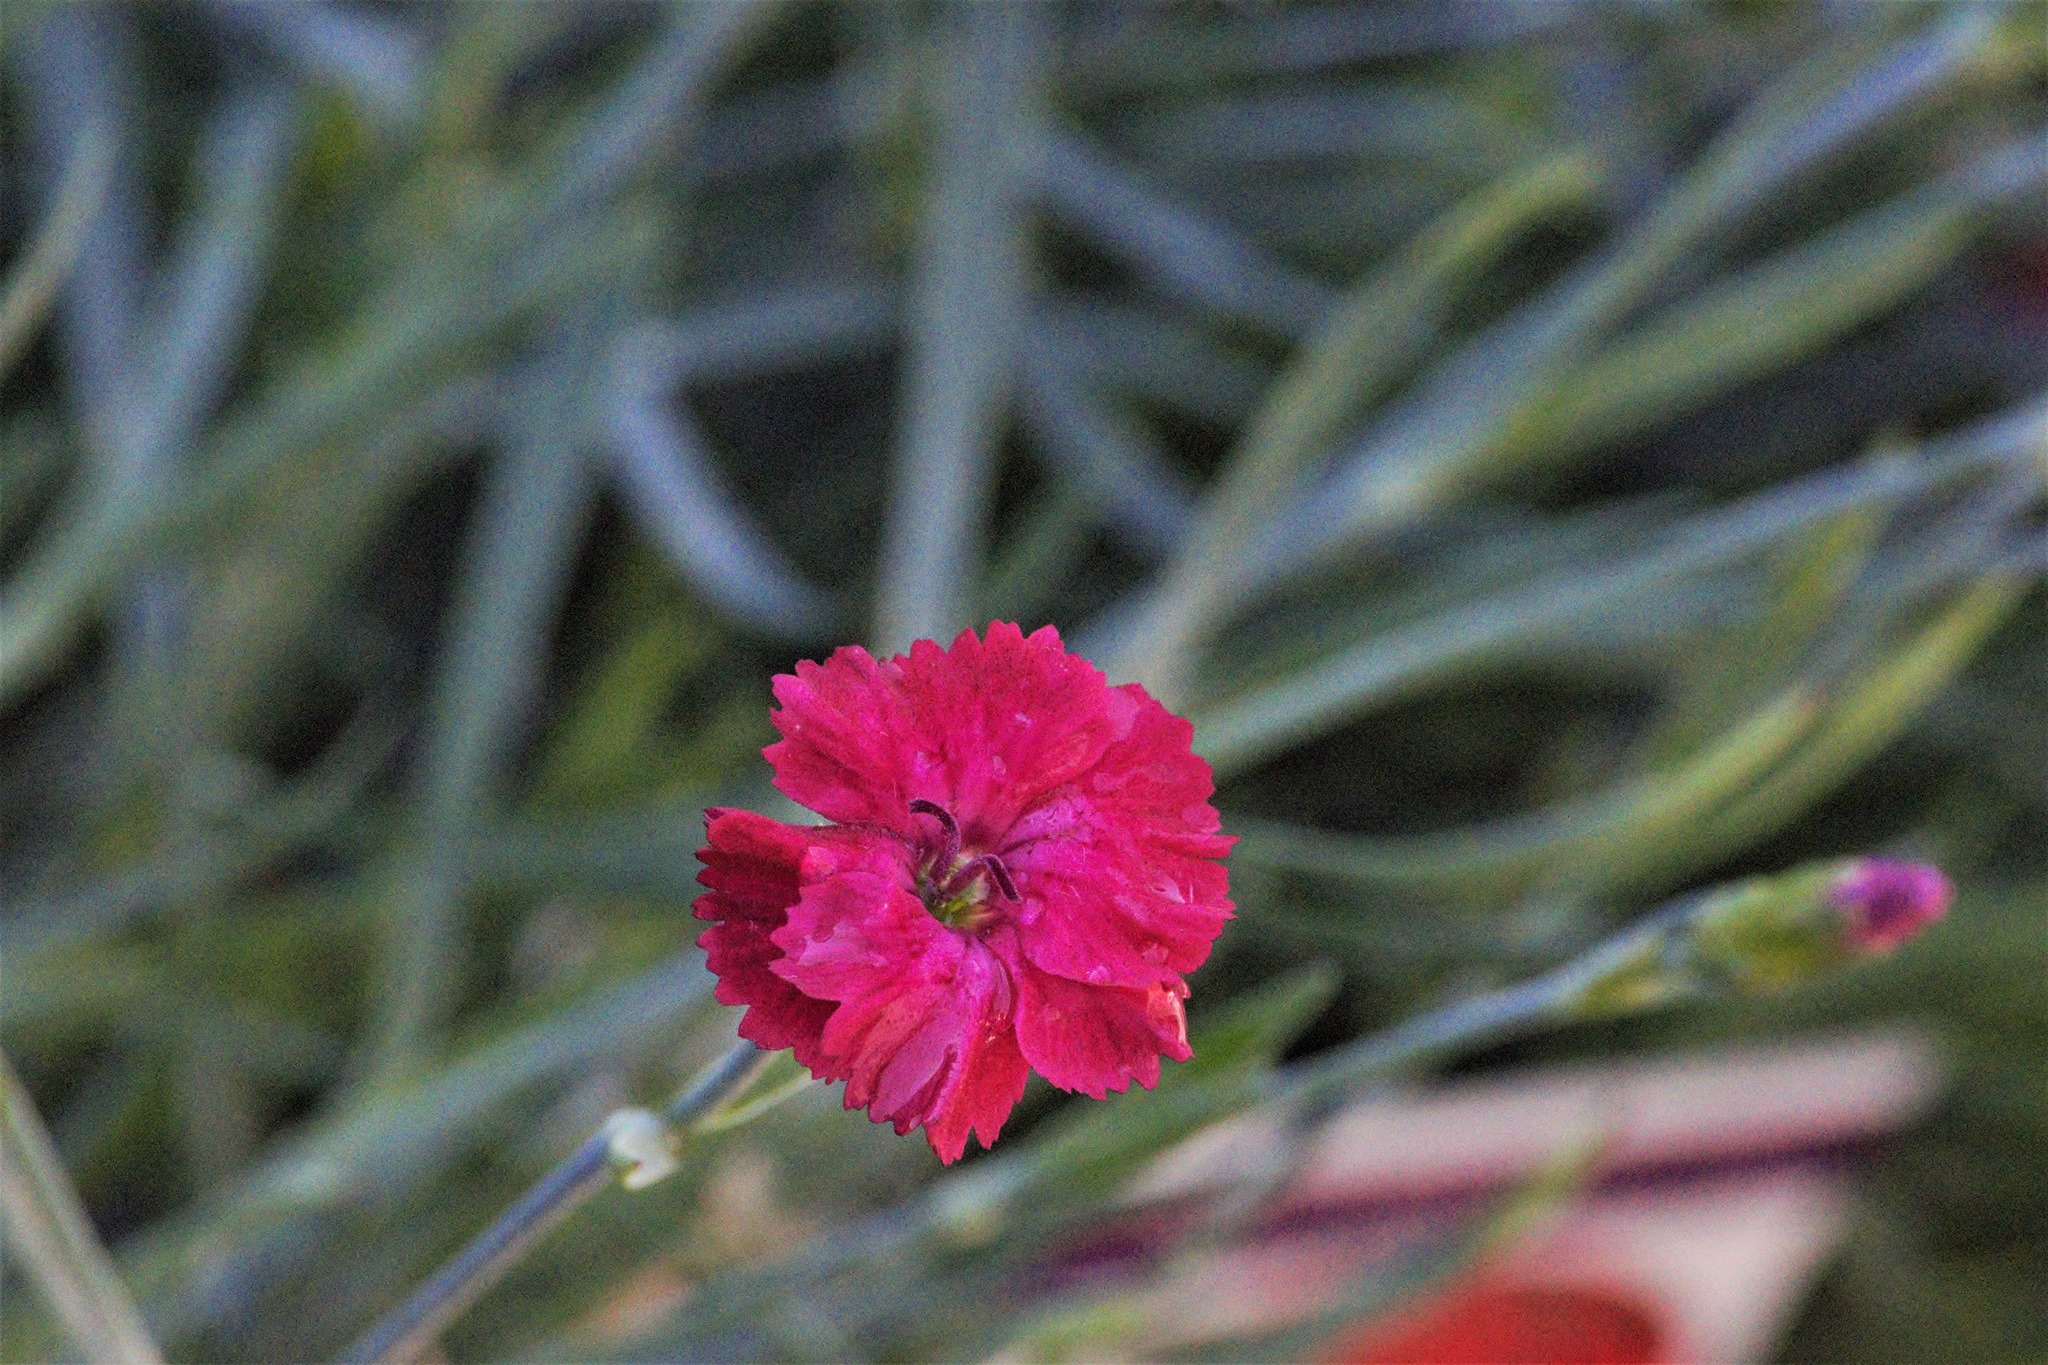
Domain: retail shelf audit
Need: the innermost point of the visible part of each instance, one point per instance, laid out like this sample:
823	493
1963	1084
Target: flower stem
1756	936
407	1331
1648	964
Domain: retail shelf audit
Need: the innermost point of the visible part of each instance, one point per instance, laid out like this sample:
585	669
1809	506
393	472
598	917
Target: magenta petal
1121	873
1889	902
1096	1039
986	729
850	747
752	868
1018	718
1097	910
922	1033
992	1076
1151	778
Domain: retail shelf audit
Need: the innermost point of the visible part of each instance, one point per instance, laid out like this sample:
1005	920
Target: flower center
953	885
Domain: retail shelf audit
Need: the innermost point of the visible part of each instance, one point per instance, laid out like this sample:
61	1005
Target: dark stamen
987	863
1001	874
920	806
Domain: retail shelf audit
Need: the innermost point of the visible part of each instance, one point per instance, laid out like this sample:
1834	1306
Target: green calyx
965	908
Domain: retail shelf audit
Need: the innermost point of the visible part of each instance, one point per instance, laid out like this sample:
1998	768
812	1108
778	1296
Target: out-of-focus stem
1481	1019
404	1333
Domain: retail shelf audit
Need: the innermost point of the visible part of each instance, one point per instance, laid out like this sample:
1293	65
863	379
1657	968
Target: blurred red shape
1513	1325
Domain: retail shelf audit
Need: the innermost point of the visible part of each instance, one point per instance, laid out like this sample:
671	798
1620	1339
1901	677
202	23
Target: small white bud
638	1143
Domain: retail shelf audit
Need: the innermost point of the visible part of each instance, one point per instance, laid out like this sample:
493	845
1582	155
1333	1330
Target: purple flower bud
1888	902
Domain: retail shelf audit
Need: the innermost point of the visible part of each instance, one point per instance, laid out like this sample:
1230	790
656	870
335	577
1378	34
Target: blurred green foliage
1559	455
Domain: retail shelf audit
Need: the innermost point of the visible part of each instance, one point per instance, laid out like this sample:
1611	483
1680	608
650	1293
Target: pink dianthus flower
1022	869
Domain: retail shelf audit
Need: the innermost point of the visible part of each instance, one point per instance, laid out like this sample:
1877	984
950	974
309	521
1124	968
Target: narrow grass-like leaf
36	276
79	987
208	288
967	305
376	58
401	345
1868	716
265	589
1808	580
1484	551
189	870
607	725
1449	433
651	852
80	70
1103	452
1176	249
108	1101
790	124
1244	728
793	326
678	497
214	271
1638	813
1824	104
1146	354
47	1231
1762	319
1807	116
1340	218
1362	120
516	569
253	1041
1358	349
668	82
204	864
781	1077
1132	51
1034	558
33	459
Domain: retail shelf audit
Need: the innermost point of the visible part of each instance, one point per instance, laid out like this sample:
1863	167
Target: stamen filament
987	863
920	806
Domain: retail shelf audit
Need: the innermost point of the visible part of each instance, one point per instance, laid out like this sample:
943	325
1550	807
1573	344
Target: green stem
406	1332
